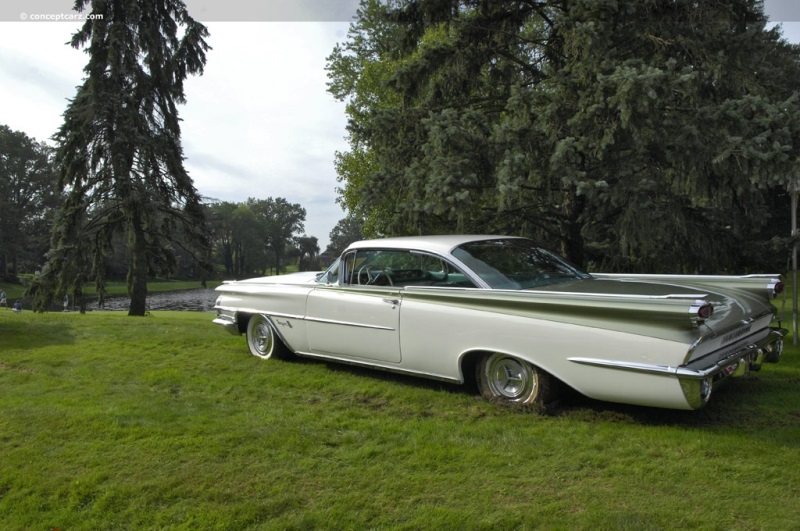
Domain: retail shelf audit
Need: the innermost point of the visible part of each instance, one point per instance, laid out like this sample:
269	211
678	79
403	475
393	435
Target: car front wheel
262	340
512	381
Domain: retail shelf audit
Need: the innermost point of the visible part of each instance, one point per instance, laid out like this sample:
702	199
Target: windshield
516	264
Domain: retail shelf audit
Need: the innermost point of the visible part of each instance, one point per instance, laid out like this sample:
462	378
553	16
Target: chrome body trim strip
223	319
254	311
345	323
565	294
627	366
658	276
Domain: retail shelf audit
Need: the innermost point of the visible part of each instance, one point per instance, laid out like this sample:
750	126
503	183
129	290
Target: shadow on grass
388	376
19	332
754	405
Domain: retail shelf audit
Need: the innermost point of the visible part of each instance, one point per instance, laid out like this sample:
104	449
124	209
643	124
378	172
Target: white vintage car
513	318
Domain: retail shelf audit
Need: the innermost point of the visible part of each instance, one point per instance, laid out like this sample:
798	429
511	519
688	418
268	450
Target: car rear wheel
512	381
262	340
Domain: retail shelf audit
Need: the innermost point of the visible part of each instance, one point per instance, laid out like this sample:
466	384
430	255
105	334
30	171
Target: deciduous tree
346	231
634	134
222	231
28	197
309	253
281	222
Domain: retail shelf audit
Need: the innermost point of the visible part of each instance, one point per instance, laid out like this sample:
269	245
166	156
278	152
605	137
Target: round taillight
778	288
705	312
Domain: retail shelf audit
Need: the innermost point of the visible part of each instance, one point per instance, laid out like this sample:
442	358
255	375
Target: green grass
108	421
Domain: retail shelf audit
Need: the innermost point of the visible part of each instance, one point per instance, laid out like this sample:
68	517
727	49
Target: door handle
393	302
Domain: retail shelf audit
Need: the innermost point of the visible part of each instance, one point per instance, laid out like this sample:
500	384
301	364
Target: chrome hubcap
262	339
510	378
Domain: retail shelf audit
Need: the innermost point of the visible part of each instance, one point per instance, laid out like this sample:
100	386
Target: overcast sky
259	122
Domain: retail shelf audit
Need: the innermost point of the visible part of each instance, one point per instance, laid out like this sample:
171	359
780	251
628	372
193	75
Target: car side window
439	272
391	267
331	275
365	267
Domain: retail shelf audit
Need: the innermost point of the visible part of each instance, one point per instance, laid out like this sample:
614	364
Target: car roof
441	244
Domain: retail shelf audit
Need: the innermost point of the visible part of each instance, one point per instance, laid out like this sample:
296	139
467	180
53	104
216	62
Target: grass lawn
108	421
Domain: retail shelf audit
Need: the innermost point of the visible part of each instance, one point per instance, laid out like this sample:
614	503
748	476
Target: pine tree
119	149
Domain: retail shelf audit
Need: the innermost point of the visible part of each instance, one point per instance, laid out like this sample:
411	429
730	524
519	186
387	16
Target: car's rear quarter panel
436	335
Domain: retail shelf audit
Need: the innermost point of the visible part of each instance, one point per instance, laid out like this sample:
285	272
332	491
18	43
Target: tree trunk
137	271
227	254
277	260
571	237
78	298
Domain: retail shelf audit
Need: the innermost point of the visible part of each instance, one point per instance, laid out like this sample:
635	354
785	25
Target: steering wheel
372	276
377	275
365	270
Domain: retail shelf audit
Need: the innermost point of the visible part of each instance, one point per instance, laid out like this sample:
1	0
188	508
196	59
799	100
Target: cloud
258	123
40	73
782	10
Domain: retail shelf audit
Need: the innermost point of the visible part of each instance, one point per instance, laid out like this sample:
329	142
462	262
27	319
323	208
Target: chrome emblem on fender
736	334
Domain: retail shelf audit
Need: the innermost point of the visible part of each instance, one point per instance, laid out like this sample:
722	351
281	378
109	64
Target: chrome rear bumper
697	383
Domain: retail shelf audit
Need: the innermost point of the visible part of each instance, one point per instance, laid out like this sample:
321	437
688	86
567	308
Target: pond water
194	300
